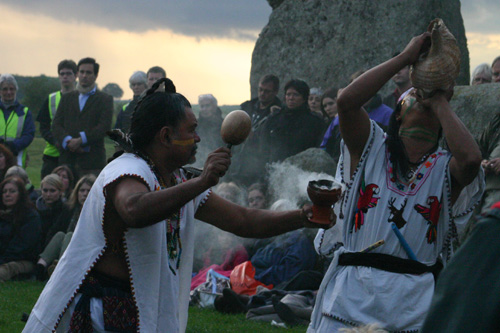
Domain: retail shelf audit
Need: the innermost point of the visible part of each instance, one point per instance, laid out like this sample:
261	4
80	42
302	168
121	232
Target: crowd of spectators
36	225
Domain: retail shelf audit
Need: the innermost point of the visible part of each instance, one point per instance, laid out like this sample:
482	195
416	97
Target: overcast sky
205	45
239	19
205	18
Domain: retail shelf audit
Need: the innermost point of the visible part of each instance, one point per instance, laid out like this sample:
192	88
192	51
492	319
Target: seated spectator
217	247
328	103
230	191
19	230
314	101
223	256
59	235
49	205
375	108
257	196
220	250
64	172
481	75
285	257
6	160
332	138
17	171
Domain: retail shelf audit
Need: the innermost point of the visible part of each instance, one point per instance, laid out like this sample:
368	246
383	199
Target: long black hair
154	110
397	152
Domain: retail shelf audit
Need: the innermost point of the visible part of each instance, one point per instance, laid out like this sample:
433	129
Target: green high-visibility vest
54	99
13	129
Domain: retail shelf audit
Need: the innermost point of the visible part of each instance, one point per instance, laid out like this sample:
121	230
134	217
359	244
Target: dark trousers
49	164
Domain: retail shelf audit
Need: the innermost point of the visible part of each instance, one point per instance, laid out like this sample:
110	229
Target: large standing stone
476	105
324	42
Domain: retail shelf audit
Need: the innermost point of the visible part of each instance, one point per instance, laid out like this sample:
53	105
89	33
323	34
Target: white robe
363	295
162	298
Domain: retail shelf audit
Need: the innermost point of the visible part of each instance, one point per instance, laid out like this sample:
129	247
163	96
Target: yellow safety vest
12	130
54	99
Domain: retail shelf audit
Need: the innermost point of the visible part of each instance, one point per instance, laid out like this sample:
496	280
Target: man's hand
73	144
307	215
492	166
417	46
438	99
216	166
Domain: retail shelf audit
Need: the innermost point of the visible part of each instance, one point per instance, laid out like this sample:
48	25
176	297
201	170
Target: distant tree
34	90
113	89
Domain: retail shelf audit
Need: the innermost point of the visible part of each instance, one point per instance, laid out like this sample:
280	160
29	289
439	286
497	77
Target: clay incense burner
323	194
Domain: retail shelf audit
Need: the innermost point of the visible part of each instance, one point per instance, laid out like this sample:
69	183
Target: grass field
17	297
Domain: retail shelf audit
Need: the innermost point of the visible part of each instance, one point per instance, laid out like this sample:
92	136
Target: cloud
481	16
234	19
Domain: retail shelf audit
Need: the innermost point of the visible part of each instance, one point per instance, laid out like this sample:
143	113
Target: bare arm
353	120
138	207
466	160
246	222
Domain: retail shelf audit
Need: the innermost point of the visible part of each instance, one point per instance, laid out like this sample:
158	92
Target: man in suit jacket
81	122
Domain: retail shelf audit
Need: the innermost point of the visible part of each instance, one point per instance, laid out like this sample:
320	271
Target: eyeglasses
481	79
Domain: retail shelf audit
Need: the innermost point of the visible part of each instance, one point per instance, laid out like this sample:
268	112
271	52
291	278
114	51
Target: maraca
235	127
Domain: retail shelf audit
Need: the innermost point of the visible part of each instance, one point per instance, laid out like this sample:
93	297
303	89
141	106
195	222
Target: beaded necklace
174	244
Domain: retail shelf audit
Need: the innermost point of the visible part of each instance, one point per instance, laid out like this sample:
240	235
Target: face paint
418	133
408	102
183	142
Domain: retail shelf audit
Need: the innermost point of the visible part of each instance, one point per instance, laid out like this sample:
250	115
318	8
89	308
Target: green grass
35	153
17	297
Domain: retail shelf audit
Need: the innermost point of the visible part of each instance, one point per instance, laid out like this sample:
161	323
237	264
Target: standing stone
324	42
476	105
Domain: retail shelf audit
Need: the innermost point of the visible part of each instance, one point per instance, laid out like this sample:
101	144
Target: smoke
287	190
287	181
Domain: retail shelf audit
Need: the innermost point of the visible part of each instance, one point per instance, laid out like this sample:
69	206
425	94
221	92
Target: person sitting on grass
20	230
49	205
17	171
67	178
6	160
59	235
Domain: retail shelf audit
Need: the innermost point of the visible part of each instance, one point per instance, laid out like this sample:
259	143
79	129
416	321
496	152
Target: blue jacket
23	243
282	259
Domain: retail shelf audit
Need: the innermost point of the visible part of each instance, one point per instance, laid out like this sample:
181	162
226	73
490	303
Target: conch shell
439	67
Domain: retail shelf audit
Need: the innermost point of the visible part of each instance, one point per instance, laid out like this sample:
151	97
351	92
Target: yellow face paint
183	142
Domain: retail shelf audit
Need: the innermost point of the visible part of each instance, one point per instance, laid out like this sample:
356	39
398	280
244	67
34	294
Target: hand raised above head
418	45
216	165
437	97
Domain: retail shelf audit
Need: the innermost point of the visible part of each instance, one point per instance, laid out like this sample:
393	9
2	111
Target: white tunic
161	296
421	207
